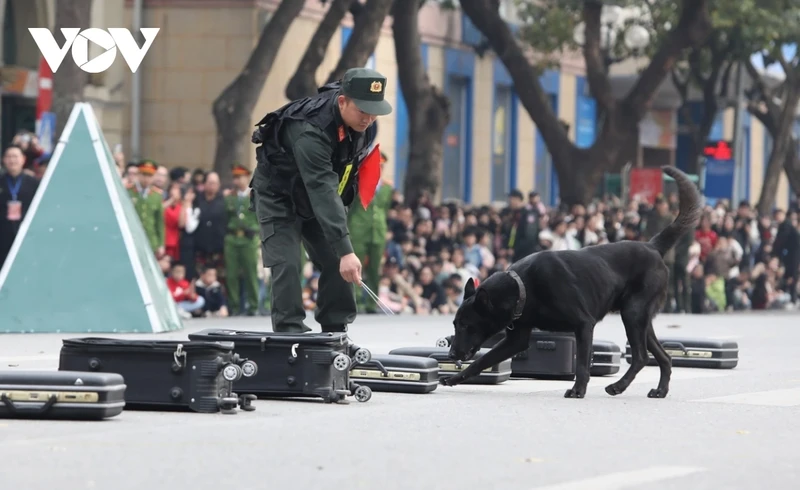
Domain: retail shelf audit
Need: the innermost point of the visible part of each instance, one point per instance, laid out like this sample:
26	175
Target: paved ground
733	429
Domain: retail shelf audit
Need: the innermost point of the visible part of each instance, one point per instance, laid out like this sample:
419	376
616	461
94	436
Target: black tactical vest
277	163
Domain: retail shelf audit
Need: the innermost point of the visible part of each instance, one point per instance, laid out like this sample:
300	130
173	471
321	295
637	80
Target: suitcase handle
673	345
38	411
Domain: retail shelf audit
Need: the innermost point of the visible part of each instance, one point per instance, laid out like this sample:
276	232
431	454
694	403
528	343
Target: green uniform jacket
150	209
369	226
312	152
242	223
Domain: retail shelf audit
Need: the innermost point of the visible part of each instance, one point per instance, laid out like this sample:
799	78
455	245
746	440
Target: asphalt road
732	429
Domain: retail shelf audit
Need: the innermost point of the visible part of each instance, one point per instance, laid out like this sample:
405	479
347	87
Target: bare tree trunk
234	106
792	167
69	81
428	107
364	38
782	141
304	81
582	169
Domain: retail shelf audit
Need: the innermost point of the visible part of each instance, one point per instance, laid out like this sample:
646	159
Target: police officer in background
308	153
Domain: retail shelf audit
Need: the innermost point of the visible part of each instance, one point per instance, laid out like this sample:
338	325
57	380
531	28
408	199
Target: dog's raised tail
689	212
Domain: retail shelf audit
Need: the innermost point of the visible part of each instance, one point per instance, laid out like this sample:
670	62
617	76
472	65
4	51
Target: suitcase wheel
249	369
362	356
341	362
362	394
443	342
232	373
228	405
246	402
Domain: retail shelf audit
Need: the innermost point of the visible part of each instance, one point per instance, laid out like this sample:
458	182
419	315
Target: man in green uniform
368	231
241	245
309	152
149	205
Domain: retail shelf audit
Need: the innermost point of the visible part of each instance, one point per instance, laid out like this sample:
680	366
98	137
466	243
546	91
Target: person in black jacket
523	234
17	190
787	249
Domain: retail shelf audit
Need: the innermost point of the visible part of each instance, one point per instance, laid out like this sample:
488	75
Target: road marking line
625	479
774	398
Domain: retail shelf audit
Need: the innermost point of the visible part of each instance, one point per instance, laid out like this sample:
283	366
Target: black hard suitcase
606	357
550	355
399	374
315	365
61	395
166	374
696	353
496	374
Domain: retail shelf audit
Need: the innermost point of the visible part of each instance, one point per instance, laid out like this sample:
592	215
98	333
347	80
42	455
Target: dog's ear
469	289
483	302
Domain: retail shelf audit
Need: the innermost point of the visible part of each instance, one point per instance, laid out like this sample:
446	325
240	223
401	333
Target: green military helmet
367	88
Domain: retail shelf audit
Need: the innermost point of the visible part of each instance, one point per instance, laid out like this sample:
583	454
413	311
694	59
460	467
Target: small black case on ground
606	358
61	395
296	365
398	374
550	355
496	374
696	353
166	374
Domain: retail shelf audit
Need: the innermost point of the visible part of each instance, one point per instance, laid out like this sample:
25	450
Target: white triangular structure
81	261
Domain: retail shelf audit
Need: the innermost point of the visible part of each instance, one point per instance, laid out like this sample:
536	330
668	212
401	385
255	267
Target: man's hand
350	269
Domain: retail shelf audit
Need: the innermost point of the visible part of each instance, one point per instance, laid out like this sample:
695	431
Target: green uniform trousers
241	262
370	255
336	304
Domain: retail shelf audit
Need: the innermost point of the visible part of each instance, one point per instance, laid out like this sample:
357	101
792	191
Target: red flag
369	173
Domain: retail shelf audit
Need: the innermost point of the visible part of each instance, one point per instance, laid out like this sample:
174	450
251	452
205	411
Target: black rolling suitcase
606	358
496	374
61	395
399	374
163	374
696	353
315	365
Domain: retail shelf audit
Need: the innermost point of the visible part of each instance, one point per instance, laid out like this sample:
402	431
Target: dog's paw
446	382
657	393
571	393
614	390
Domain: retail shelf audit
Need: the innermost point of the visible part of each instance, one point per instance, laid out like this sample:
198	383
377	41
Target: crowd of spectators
735	260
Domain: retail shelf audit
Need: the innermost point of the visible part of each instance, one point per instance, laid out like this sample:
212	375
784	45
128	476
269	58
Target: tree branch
363	39
787	69
725	79
756	108
484	15
234	106
692	30
304	82
408	50
596	75
696	68
762	92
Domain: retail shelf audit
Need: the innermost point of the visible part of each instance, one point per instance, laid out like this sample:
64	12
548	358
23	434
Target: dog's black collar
521	300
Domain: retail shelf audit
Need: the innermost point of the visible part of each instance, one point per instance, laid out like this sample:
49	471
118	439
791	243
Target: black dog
570	291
